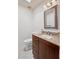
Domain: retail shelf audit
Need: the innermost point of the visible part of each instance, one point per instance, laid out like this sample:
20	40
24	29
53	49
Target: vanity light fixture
53	1
45	7
29	1
50	4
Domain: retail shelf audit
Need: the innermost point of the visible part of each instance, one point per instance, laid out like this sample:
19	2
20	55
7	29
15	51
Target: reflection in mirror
50	18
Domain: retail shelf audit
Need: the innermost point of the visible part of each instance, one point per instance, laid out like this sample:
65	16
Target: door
46	51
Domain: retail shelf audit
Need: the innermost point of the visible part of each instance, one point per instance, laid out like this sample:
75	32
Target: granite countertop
55	39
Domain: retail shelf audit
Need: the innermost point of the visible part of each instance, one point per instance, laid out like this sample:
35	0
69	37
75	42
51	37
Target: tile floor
29	55
26	55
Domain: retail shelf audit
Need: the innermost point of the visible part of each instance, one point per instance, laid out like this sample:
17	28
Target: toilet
27	44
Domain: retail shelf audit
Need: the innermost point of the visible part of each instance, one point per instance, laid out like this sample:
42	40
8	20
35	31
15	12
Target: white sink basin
46	36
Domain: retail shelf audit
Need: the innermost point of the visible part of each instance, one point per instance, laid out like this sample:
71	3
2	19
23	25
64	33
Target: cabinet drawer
36	57
35	51
35	41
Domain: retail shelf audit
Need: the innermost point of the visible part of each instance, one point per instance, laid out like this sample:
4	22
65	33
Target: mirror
50	18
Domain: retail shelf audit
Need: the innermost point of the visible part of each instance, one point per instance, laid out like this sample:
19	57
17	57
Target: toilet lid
27	40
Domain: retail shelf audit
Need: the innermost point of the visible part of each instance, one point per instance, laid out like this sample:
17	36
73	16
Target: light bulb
45	7
52	1
28	1
48	4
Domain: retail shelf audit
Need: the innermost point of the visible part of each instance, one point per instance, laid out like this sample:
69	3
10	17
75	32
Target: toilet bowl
27	45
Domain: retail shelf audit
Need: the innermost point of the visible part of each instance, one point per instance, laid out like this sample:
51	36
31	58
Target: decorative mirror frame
56	19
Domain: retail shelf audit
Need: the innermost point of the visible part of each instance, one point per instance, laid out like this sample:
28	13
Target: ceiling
32	5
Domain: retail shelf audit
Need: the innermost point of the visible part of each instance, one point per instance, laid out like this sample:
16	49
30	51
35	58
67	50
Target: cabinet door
57	53
45	51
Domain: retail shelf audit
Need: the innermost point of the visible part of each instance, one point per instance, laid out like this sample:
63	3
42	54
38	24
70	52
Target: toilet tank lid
27	40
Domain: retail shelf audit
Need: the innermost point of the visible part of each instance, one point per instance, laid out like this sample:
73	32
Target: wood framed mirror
50	18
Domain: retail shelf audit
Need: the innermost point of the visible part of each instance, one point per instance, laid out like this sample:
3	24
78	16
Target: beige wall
39	18
24	28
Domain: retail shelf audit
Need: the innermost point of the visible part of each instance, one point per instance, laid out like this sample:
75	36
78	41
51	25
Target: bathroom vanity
45	47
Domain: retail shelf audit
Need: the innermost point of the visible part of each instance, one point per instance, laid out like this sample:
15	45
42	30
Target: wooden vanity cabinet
35	47
43	49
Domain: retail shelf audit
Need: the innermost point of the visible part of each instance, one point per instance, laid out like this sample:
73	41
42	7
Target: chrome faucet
48	32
